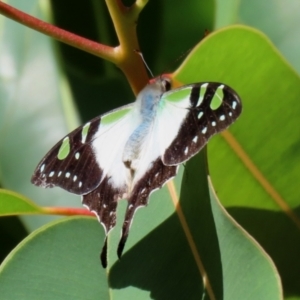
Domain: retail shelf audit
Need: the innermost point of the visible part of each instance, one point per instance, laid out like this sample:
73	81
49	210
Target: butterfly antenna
142	57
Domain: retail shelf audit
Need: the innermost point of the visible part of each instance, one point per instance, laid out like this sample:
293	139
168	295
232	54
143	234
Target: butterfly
134	150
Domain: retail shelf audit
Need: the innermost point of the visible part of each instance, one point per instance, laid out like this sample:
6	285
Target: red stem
123	56
62	35
67	211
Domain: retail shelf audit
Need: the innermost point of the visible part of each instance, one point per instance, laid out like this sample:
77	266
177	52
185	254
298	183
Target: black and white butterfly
133	150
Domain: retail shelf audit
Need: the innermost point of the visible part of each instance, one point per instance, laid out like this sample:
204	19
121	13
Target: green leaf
12	203
261	273
262	97
57	261
62	257
267	134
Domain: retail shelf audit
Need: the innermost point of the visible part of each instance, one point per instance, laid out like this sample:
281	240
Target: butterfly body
134	150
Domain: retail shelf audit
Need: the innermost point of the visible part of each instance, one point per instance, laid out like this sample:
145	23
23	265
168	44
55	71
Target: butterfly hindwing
108	145
103	202
155	177
210	108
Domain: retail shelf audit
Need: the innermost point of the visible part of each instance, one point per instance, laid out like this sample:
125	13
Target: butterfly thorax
146	109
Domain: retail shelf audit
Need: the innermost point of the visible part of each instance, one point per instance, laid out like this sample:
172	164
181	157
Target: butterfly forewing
209	108
73	163
70	162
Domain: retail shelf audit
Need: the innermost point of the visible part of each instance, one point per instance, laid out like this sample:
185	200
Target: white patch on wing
164	130
160	135
149	152
109	143
195	139
170	117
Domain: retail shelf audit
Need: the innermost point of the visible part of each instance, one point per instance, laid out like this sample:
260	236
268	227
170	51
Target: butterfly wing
116	181
89	162
186	118
70	161
155	176
204	109
75	158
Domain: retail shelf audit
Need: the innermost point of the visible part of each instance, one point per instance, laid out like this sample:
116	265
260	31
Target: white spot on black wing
186	150
200	114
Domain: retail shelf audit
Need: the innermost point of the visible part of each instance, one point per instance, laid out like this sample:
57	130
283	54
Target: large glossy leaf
278	19
264	161
167	262
50	270
12	203
270	99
